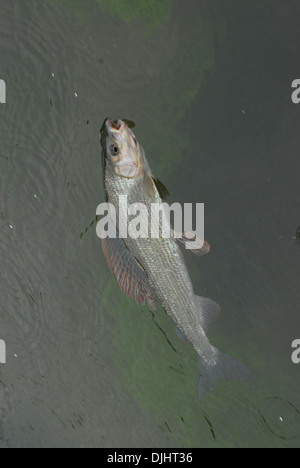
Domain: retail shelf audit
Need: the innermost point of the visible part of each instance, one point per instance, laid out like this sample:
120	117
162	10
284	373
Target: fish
153	269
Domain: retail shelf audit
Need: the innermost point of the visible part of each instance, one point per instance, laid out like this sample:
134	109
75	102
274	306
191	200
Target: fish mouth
115	126
119	129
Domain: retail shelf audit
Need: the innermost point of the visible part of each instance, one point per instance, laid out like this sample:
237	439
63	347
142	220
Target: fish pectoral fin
161	188
193	244
129	275
208	310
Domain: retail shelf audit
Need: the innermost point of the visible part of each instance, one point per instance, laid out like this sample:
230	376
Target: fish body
158	261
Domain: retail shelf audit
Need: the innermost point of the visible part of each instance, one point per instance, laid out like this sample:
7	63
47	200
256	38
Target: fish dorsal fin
162	190
129	275
208	311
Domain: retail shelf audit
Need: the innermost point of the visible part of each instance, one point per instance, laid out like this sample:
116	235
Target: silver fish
145	266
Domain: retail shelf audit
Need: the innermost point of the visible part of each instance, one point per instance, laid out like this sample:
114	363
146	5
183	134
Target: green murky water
208	85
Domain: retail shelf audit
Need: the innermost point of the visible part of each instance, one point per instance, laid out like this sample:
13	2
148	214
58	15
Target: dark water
208	84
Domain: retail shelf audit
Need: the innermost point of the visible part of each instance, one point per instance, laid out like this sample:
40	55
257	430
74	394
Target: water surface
208	85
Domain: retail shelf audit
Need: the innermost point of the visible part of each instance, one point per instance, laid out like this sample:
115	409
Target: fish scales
163	263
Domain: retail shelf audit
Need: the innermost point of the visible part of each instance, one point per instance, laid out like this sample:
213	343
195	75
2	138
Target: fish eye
114	150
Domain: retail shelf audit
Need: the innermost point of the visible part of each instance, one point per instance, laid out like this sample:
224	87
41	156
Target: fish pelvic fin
193	244
129	275
226	368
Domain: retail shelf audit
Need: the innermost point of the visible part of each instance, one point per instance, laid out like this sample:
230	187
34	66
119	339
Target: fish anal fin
208	311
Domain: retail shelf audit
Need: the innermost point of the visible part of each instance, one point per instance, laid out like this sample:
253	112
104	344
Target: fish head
122	150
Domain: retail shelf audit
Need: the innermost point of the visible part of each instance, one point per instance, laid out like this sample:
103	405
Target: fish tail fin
226	368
